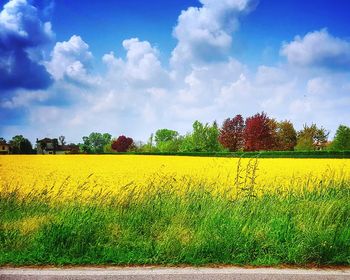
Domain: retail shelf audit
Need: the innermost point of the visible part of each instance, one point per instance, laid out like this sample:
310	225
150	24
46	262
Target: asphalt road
171	274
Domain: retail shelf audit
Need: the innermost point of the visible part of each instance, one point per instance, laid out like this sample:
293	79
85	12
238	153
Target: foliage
107	149
149	146
170	146
204	138
258	133
144	148
164	135
85	147
341	139
167	140
231	134
286	136
122	144
20	145
311	138
137	147
95	142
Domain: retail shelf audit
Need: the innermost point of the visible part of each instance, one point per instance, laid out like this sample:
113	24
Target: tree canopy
203	138
341	139
258	133
95	142
122	144
311	138
232	133
21	145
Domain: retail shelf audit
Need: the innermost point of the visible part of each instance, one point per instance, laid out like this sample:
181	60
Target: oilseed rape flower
85	177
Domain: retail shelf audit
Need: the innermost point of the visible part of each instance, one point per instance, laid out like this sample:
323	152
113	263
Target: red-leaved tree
258	134
231	133
122	144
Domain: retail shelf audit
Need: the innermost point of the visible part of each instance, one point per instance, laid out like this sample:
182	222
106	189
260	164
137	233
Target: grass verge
195	228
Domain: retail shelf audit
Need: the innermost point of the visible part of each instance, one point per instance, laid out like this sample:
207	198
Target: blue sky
131	67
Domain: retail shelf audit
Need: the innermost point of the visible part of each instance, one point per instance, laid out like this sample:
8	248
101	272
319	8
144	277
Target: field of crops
131	209
66	176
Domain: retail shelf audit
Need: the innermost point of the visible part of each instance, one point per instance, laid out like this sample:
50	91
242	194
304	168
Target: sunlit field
63	177
129	209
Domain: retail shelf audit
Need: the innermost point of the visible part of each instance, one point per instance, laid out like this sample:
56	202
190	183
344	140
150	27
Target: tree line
254	133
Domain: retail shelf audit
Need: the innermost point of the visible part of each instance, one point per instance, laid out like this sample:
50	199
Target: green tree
167	140
311	138
170	146
95	142
107	149
204	138
85	147
304	143
21	145
341	139
149	146
213	144
164	135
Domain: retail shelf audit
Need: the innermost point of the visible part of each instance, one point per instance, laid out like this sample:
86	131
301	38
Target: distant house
48	146
71	149
4	148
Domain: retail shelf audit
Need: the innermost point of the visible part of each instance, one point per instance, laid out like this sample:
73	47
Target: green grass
198	228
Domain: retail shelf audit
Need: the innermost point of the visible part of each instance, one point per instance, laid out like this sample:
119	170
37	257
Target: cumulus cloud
141	65
22	34
71	61
137	94
202	84
318	49
205	33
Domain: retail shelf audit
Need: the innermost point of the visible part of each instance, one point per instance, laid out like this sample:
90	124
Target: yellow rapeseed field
85	176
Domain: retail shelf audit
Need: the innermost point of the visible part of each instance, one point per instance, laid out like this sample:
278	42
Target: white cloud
205	33
138	104
140	67
319	49
235	94
20	20
137	95
23	98
70	59
267	75
202	85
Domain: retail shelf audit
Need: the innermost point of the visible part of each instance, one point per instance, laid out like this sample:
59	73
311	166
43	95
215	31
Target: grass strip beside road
196	228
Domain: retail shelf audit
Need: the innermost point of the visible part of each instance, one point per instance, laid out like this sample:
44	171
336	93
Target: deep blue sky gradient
105	24
276	21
